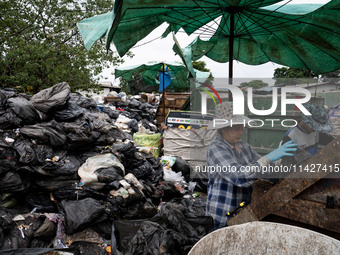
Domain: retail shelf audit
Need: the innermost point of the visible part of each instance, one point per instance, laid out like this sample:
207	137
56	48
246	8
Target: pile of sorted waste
72	181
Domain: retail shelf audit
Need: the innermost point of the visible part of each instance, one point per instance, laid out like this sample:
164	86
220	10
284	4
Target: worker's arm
223	163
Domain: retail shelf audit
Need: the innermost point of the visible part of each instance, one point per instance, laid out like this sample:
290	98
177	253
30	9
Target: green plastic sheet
178	72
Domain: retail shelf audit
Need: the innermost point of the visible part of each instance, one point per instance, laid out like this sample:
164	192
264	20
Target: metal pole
231	50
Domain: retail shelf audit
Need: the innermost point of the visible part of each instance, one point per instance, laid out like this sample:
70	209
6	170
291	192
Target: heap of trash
73	180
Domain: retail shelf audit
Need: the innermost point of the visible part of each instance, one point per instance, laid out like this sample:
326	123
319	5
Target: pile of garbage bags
73	181
132	116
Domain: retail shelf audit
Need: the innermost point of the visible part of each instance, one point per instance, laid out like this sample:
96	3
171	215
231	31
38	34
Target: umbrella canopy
306	44
251	31
175	75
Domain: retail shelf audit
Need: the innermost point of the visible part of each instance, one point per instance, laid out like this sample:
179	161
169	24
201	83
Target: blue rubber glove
282	151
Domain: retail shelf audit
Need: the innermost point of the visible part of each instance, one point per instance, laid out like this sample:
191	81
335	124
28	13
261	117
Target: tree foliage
41	45
256	84
201	66
292	76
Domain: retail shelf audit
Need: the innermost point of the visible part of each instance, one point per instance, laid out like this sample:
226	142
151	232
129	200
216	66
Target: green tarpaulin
178	72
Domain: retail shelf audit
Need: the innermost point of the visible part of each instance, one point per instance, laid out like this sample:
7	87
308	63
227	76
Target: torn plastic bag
25	150
40	202
12	182
51	98
9	120
81	214
24	109
69	112
75	192
49	132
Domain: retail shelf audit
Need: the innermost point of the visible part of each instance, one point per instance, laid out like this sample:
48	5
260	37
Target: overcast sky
161	50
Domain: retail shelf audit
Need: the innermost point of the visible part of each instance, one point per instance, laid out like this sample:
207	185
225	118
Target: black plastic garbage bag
55	182
140	210
25	150
65	166
43	152
51	98
49	132
148	125
8	159
111	136
166	191
112	113
81	214
109	174
133	125
140	169
9	120
126	149
83	102
23	109
82	141
134	103
38	251
74	192
69	112
6	216
136	114
80	127
181	166
147	239
41	202
125	230
12	182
